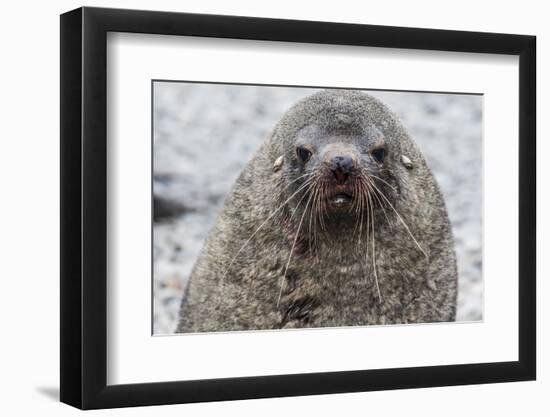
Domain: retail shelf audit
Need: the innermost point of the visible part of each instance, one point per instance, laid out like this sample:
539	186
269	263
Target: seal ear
278	164
407	163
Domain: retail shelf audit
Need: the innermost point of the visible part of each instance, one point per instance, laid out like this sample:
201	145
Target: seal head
340	161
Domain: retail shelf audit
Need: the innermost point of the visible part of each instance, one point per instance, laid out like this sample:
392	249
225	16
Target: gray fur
330	280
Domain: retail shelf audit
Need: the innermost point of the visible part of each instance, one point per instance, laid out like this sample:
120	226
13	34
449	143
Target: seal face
344	169
336	221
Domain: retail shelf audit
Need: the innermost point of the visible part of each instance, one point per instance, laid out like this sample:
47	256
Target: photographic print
281	207
311	193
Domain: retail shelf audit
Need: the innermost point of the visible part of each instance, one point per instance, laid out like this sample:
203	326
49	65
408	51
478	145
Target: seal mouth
341	199
341	195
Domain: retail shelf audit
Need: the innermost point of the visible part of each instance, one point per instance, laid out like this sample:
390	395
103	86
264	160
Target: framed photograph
257	207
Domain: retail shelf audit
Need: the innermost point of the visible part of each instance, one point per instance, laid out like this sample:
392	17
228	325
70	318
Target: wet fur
258	274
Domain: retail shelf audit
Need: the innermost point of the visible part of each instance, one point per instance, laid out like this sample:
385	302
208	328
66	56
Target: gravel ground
205	133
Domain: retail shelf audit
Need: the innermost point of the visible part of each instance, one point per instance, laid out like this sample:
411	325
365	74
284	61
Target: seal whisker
382	206
309	185
374	250
375	193
362	205
273	213
309	231
292	249
322	205
318	208
307	176
403	222
359	198
312	234
357	204
369	219
384	181
357	210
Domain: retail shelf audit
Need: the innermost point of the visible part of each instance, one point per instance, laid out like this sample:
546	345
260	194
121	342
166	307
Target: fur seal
336	221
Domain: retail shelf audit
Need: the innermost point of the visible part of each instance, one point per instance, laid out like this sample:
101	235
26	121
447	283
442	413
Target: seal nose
341	166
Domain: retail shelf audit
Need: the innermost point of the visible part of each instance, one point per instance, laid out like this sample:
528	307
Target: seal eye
303	153
379	155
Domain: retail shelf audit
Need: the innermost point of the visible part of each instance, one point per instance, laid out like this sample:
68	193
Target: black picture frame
84	207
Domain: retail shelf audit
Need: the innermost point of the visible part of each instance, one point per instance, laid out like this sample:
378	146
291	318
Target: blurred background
205	133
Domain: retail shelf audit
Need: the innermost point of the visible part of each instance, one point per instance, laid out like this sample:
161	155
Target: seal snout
342	166
340	159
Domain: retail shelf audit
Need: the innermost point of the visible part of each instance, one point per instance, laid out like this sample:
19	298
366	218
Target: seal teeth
341	198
